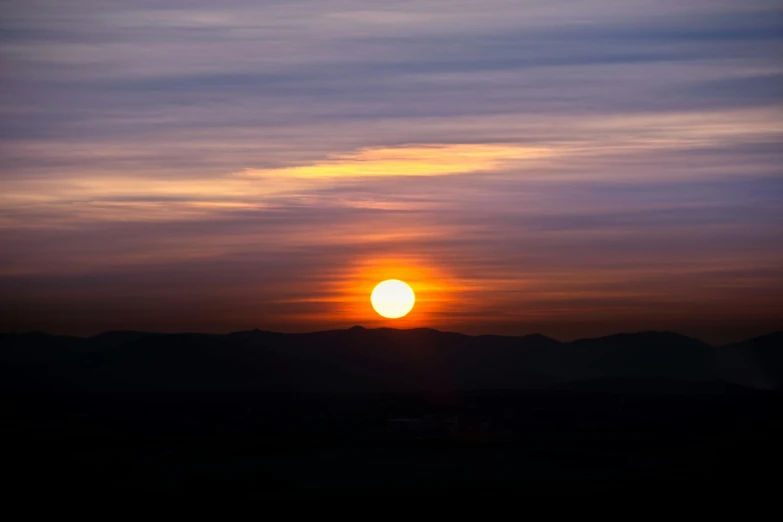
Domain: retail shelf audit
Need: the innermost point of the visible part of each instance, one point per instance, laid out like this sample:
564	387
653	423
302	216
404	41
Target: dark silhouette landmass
389	411
380	360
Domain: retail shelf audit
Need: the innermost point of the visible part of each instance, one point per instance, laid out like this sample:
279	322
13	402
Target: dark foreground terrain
136	414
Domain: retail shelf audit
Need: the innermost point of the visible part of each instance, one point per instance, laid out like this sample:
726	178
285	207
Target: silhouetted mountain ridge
383	359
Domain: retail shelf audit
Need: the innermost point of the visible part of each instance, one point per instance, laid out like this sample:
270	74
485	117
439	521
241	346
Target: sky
569	167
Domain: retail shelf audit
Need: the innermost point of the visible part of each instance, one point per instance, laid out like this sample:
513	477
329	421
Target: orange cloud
413	160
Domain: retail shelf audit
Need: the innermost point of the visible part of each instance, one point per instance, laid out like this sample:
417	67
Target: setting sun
392	298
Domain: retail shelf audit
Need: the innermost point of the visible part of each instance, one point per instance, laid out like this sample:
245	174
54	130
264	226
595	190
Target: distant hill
756	362
643	355
387	360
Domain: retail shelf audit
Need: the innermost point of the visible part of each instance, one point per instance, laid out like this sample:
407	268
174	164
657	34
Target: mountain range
385	360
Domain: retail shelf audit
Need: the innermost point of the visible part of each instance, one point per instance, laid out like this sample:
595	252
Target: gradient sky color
573	168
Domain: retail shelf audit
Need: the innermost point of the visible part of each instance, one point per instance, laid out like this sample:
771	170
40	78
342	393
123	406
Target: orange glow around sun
433	289
343	299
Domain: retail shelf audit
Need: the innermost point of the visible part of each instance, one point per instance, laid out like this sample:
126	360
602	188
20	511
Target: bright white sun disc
392	298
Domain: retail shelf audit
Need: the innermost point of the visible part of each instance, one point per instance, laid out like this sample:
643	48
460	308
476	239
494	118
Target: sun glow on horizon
393	299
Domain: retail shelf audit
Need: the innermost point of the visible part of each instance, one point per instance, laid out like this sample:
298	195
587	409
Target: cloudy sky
569	167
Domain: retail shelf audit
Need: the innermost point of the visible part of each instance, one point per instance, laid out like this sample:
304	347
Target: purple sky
573	168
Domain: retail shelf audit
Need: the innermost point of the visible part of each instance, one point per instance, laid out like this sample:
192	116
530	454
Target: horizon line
360	327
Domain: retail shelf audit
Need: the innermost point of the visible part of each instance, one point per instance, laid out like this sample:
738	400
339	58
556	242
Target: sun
392	298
